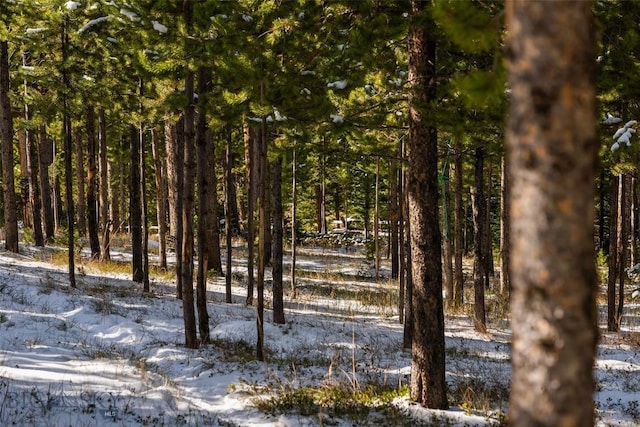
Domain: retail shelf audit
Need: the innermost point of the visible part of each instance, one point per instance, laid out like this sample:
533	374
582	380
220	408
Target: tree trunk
262	234
602	194
174	162
402	261
205	188
92	184
446	235
459	218
623	239
552	154
228	202
81	201
376	222
487	243
24	177
428	385
249	137
294	208
135	205
34	188
278	236
45	157
480	273
505	250
213	222
105	252
143	206
394	215
186	239
612	320
68	156
161	195
6	133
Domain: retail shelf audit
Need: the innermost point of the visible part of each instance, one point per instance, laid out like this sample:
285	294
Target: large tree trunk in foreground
6	134
428	386
552	152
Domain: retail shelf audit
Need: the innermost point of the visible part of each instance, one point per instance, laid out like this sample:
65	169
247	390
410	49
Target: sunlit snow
159	27
340	84
72	5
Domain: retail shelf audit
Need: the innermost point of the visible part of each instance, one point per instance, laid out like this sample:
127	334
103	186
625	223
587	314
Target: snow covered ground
105	354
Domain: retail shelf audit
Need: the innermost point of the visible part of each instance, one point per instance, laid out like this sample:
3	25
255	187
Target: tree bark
161	195
447	248
205	187
612	320
229	200
68	155
480	273
249	137
105	185
505	250
428	385
262	233
552	154
92	184
294	212
81	201
45	158
213	222
6	133
135	205
458	277
278	236
187	194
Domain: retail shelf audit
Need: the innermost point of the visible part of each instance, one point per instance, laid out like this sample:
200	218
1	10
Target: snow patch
340	84
159	27
72	5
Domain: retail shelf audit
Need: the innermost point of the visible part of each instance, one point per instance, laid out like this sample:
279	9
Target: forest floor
107	354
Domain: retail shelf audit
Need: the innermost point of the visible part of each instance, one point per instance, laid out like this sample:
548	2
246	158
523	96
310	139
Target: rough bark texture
229	201
187	194
68	159
161	195
213	222
612	319
135	206
277	242
428	386
34	188
204	193
81	200
505	249
458	272
6	134
552	153
249	137
480	273
92	183
447	246
45	157
174	162
105	252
